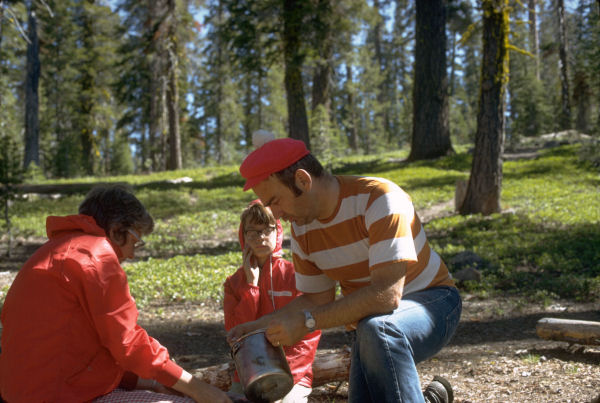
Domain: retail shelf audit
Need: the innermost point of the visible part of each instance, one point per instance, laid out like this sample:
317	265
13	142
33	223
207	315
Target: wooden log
327	367
572	331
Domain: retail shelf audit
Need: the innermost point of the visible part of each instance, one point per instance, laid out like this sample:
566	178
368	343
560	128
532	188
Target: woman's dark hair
116	208
309	163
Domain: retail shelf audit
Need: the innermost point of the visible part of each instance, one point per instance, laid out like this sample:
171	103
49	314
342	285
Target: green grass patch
545	245
181	278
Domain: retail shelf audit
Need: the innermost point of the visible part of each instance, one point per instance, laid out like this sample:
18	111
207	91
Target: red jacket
70	324
244	302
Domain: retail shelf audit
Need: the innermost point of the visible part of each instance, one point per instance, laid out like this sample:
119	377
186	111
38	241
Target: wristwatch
309	321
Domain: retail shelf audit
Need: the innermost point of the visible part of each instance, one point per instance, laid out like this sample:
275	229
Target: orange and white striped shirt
374	225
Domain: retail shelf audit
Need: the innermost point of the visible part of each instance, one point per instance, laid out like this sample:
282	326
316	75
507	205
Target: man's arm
381	296
294	307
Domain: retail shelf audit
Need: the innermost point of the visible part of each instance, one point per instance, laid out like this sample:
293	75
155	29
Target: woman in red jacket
70	331
265	283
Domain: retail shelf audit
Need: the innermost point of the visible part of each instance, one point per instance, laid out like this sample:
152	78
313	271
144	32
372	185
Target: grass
544	246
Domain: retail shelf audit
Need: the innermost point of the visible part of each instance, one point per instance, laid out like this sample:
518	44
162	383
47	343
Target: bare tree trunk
322	74
259	96
382	96
534	41
582	94
485	182
248	104
174	161
351	124
293	16
1	26
218	135
157	88
564	119
452	63
431	132
32	126
86	99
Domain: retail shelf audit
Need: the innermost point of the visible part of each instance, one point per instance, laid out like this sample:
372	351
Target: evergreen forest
111	87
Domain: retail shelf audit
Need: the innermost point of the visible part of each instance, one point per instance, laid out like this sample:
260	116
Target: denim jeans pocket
453	316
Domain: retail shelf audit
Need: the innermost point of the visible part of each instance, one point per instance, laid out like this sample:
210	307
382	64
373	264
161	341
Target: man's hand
240	330
286	331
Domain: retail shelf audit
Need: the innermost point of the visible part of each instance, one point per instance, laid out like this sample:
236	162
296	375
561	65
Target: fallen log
572	331
327	367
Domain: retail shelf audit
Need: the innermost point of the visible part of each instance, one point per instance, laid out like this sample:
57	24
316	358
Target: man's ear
303	180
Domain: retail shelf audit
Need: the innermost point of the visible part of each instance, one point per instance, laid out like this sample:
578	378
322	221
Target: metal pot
263	369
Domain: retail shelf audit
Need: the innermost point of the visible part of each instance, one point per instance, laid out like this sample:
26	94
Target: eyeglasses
140	242
256	233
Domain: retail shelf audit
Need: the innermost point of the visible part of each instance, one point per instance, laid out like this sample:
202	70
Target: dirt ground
495	355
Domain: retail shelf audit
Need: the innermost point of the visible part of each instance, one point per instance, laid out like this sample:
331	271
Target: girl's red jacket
244	302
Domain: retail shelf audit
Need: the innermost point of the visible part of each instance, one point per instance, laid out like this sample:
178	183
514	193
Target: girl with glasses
265	282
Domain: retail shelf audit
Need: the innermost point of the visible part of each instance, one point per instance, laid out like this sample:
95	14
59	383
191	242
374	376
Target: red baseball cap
271	157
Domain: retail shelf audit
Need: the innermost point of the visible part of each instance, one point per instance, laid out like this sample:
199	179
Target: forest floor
495	355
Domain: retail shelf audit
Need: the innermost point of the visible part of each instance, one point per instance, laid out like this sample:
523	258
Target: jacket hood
278	251
80	222
56	225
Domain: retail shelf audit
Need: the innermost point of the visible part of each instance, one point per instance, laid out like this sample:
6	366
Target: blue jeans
388	347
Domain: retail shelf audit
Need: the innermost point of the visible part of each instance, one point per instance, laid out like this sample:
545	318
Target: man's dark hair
309	163
116	208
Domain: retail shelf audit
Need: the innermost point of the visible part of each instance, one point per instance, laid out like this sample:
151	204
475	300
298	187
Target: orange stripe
348	287
344	233
305	267
413	269
442	277
376	192
389	227
349	272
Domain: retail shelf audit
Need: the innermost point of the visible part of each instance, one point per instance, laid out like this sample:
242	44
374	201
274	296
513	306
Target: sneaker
439	391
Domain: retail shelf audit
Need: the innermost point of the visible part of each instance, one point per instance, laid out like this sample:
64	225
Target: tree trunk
564	119
32	126
431	133
485	182
382	96
351	124
86	97
1	26
534	41
293	17
322	73
156	113
173	93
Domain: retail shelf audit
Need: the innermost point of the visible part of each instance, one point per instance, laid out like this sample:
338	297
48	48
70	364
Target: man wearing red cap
363	233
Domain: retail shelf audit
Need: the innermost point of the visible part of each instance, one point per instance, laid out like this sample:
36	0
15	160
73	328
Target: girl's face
261	238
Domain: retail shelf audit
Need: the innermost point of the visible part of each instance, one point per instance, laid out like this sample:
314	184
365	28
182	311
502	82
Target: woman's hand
155	386
251	267
199	390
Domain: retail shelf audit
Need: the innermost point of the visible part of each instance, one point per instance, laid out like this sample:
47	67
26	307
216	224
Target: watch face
309	321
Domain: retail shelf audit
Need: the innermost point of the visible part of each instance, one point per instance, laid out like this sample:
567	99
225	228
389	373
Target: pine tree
431	133
485	181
